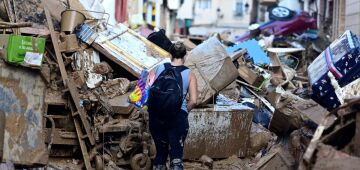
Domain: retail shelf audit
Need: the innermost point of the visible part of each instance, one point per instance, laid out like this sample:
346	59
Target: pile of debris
261	104
71	93
292	87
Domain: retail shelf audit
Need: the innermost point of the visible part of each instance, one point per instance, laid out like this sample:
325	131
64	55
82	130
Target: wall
352	14
109	6
186	11
208	16
338	24
133	7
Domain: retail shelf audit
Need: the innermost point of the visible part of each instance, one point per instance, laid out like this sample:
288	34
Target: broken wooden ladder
79	115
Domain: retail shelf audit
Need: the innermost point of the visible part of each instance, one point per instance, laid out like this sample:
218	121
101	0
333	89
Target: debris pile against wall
262	104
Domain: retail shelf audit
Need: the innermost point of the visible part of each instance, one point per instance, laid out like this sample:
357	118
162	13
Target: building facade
222	13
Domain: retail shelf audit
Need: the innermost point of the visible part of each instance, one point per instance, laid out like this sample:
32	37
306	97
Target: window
204	4
239	8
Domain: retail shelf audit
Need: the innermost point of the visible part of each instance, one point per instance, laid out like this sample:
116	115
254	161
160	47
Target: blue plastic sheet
258	56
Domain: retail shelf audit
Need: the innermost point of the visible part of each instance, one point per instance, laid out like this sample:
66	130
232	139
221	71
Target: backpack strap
182	68
177	72
167	66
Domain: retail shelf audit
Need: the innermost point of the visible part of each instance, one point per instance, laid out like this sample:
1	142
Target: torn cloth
121	13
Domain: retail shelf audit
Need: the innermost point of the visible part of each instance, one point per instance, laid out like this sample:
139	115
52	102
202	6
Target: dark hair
177	50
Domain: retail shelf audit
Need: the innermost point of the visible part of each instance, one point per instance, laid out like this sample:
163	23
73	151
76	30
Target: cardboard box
291	113
212	67
250	76
25	50
120	104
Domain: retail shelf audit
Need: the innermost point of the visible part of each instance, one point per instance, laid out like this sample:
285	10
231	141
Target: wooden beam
55	43
35	31
315	140
82	114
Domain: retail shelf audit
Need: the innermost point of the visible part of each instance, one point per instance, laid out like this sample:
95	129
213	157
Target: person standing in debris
168	108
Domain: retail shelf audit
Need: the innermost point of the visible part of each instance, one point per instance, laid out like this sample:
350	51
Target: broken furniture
116	43
218	132
292	112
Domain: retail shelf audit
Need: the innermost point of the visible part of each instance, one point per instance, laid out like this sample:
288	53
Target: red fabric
121	14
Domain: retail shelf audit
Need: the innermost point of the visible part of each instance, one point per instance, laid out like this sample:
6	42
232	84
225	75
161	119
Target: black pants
169	136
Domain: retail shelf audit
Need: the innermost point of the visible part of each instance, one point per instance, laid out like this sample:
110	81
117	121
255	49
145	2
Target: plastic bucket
70	19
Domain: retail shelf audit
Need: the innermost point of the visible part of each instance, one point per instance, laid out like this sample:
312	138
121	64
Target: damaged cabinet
218	133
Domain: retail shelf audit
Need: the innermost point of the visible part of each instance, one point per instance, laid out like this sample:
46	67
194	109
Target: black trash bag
160	39
262	116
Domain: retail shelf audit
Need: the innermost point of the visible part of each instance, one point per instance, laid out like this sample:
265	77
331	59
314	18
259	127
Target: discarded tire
280	13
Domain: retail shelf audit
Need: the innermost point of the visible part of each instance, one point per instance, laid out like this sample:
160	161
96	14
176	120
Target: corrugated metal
218	134
22	102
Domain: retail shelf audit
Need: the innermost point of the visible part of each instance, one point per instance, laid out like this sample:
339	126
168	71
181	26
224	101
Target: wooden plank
61	137
10	13
262	99
55	43
83	147
315	140
279	160
82	114
35	31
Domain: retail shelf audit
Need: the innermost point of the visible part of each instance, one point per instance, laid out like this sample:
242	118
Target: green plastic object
25	50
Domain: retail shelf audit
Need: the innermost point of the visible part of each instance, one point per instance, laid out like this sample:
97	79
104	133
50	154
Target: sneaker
176	164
